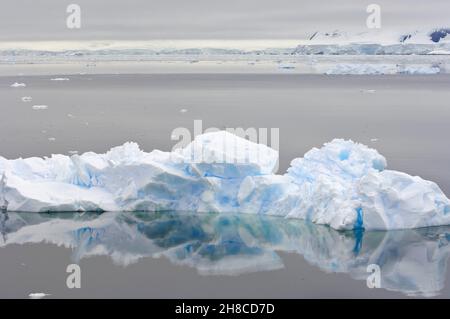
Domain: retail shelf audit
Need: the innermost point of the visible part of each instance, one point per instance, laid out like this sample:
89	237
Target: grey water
404	117
223	256
185	255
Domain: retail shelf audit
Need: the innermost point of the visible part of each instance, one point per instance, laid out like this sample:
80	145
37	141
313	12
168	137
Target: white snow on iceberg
343	184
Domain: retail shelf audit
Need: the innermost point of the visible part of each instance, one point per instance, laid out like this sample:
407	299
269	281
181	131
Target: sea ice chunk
18	85
379	69
359	69
420	69
286	66
39	107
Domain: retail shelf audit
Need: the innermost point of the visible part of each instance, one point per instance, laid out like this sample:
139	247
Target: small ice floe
70	115
381	69
52	139
18	85
439	52
368	91
286	66
73	152
373	140
27	99
183	110
361	69
39	107
38	295
60	79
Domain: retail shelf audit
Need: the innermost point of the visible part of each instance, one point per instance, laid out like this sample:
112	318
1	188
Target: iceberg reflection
411	261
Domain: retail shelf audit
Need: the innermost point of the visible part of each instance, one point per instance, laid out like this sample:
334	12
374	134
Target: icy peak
129	152
224	148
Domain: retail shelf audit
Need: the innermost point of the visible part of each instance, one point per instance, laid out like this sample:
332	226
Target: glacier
343	184
376	42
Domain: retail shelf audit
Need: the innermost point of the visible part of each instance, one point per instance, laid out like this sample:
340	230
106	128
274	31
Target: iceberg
18	85
417	69
27	99
358	69
439	52
381	69
343	184
39	107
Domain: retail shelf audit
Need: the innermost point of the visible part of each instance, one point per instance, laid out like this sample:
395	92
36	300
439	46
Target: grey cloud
207	19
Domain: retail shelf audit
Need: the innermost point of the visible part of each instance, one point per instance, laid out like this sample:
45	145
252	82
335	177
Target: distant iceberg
18	85
343	184
378	69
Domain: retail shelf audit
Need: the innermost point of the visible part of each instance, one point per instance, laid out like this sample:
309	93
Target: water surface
172	255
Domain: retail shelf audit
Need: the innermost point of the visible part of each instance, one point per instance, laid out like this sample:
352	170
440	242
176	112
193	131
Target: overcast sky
208	19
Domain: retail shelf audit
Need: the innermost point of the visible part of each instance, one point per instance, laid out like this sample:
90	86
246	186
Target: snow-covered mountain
377	42
372	42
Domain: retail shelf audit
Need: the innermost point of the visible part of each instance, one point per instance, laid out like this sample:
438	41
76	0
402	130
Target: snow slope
377	42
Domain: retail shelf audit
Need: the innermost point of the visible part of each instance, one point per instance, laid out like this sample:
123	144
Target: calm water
404	117
171	255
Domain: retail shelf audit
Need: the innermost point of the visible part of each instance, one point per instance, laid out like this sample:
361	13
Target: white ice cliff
343	184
